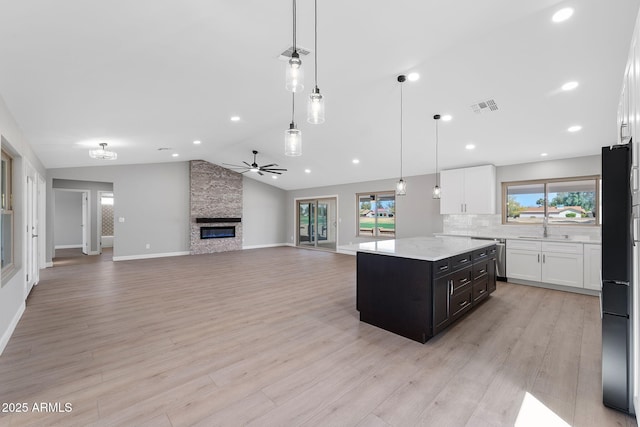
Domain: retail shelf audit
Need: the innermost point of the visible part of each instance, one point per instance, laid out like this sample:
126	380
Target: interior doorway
317	223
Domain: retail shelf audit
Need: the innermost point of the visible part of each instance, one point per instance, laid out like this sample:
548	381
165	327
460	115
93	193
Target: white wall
153	199
263	214
67	224
13	288
417	214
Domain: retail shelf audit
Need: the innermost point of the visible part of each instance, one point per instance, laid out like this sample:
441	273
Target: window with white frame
6	217
376	214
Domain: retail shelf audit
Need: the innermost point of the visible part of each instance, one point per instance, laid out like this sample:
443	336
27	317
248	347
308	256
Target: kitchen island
416	287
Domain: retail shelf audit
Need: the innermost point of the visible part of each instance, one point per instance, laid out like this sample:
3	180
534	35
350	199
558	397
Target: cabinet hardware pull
444	267
450	282
464	280
481	271
538	258
463	303
462	261
543	258
482	291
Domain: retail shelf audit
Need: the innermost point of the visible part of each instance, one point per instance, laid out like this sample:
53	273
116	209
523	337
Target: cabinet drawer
461	302
565	248
527	245
461	279
493	250
480	254
480	290
441	267
460	261
480	269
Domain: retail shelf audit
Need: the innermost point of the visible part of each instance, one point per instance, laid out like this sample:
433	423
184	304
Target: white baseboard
12	327
49	264
271	245
68	246
147	256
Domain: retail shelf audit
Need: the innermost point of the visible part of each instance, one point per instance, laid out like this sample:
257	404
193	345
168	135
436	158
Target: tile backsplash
491	226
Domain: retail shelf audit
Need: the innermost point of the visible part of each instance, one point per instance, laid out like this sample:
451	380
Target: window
376	214
560	201
6	217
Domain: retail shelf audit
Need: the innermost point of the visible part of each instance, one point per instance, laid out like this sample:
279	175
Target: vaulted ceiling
144	75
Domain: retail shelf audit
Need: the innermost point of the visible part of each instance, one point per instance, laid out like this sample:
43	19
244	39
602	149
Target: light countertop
422	248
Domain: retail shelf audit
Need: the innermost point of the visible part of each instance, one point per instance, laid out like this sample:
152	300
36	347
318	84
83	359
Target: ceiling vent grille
484	106
284	56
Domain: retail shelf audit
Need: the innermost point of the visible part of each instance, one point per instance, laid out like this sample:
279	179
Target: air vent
284	56
484	106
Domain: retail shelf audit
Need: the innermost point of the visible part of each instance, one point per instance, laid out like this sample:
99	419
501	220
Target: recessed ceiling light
175	155
412	77
235	118
446	118
355	161
544	154
470	146
307	171
197	142
574	128
569	85
274	176
562	15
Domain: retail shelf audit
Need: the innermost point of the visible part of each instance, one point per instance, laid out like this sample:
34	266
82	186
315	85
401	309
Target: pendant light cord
293	107
315	65
294	26
401	130
437	180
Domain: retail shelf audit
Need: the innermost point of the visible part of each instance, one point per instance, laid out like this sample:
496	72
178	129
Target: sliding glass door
317	223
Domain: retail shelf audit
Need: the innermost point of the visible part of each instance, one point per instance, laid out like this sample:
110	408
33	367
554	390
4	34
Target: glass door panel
317	223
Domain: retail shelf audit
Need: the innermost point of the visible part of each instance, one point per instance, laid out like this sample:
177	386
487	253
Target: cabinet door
479	190
563	269
523	264
452	199
441	299
592	260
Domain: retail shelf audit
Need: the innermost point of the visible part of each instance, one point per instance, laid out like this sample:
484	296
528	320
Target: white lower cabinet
592	262
547	262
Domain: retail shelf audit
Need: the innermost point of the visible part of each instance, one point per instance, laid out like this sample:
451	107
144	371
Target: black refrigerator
617	278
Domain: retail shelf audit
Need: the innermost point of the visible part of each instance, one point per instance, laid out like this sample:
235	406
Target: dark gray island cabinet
417	294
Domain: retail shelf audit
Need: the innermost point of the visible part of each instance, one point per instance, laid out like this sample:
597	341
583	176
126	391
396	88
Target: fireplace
217	232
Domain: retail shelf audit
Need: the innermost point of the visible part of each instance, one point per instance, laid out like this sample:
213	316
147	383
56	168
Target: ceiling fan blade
235	166
276	173
248	165
260	173
268	166
274	169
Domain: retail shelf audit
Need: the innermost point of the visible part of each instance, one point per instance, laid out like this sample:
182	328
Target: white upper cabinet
468	190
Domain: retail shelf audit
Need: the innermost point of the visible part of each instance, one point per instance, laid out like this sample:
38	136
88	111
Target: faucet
545	223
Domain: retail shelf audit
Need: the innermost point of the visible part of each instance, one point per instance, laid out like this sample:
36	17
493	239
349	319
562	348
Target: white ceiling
148	74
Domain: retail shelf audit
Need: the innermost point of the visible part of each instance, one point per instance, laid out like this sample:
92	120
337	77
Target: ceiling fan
253	167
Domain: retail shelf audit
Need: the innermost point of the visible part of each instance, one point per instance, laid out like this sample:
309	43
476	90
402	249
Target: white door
32	235
86	229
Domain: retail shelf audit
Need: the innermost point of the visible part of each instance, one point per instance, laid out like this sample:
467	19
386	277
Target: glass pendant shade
292	141
436	192
295	74
401	187
103	153
315	107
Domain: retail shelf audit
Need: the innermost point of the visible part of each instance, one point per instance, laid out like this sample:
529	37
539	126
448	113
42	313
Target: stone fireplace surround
215	198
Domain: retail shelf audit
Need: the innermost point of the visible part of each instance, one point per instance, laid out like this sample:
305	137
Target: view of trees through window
377	214
567	201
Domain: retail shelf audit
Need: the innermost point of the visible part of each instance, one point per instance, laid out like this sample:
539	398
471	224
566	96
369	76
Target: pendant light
436	189
293	136
295	73
401	185
103	153
315	105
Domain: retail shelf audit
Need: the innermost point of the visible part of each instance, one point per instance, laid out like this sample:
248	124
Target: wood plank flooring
271	337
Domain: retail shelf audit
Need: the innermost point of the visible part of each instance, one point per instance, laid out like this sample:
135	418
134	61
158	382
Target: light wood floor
271	337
